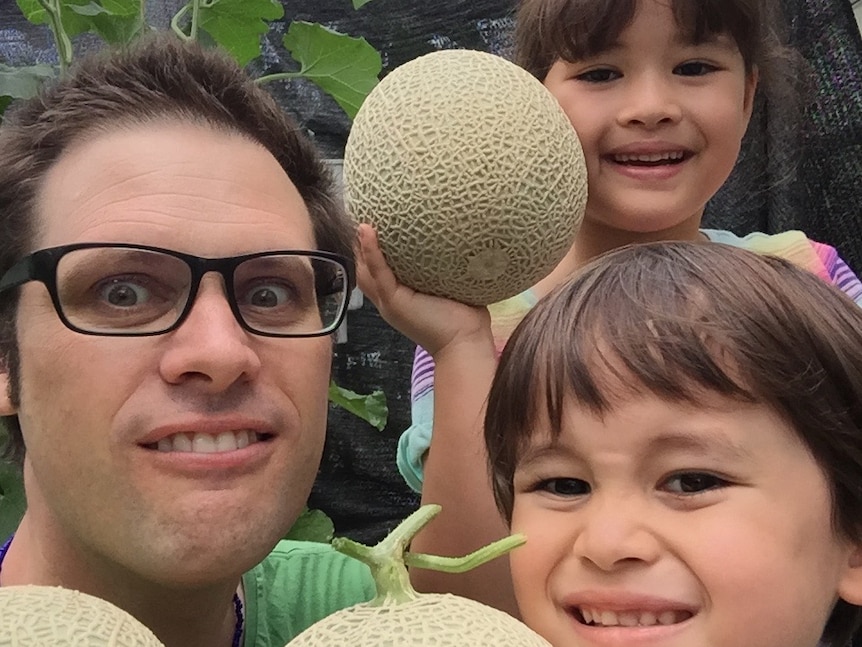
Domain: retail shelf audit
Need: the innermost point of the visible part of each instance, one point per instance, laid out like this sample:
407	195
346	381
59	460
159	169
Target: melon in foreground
470	172
400	617
43	616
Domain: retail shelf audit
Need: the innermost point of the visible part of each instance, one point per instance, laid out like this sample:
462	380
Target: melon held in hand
43	616
401	617
471	173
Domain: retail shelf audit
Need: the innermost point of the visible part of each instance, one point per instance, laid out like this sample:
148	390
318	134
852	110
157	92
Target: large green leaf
73	23
237	25
360	3
23	82
116	21
371	408
345	67
12	502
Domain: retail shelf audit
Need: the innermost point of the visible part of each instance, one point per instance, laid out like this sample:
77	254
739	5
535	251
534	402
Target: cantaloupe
401	617
50	616
471	173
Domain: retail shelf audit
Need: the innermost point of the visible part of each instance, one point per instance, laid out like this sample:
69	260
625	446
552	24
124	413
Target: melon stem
388	560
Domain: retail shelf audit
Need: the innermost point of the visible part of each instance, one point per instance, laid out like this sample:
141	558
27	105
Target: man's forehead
151	178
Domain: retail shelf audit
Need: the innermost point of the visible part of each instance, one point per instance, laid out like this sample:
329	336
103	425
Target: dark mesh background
795	172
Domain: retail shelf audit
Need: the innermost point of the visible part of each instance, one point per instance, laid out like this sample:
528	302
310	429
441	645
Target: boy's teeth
601	618
226	441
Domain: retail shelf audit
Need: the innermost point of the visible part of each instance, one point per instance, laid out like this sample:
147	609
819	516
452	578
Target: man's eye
600	75
268	296
123	293
694	68
564	487
693	483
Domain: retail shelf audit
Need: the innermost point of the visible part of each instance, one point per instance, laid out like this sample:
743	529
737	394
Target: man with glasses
173	263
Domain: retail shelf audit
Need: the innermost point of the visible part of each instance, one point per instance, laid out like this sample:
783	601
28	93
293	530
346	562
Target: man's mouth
596	617
650	159
197	443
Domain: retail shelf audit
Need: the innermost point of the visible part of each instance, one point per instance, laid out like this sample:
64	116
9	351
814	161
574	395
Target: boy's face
660	121
667	525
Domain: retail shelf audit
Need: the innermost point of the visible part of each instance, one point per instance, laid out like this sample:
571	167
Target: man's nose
210	347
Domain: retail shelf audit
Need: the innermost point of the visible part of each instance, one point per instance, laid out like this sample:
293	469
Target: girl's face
667	525
660	120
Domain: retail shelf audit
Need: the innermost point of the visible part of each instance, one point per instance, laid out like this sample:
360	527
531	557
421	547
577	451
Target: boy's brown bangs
626	337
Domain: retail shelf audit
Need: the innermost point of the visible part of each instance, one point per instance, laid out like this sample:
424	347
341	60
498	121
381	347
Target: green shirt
295	586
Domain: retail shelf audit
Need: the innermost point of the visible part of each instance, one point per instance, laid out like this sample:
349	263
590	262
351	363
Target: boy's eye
693	483
694	68
564	487
599	75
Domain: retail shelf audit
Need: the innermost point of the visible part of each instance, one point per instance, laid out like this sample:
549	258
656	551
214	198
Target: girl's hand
435	323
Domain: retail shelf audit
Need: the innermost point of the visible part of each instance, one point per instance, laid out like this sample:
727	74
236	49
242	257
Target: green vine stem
388	560
278	76
61	38
195	6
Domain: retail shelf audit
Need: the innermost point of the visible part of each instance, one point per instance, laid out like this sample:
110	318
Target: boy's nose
614	533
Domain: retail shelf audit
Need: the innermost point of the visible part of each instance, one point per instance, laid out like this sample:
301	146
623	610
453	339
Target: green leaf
23	82
73	23
237	25
12	501
312	525
345	67
4	103
371	408
116	21
360	3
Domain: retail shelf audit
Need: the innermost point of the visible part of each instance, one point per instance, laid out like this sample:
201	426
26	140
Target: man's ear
6	408
850	585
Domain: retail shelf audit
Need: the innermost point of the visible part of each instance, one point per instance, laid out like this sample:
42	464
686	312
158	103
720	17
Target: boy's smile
671	525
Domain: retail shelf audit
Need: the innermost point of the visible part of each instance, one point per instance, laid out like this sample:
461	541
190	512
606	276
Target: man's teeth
227	441
631	618
651	157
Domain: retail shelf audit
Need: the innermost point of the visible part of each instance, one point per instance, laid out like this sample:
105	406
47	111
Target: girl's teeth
630	618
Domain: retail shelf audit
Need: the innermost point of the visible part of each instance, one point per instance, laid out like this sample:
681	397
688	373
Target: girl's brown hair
549	30
682	320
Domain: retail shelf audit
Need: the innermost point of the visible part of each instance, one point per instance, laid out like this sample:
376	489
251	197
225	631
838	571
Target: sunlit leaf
116	21
360	3
312	525
371	408
343	66
237	25
23	82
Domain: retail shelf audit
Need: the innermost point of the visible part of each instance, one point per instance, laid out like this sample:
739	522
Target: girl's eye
599	75
694	68
565	487
693	483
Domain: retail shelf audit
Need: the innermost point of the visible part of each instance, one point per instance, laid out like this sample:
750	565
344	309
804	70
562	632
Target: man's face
136	446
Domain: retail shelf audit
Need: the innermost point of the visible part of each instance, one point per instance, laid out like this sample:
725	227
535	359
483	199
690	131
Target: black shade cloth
796	171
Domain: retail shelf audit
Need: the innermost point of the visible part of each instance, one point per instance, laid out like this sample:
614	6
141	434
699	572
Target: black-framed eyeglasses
127	290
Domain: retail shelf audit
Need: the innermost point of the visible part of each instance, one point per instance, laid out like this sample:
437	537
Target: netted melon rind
440	620
43	616
460	154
